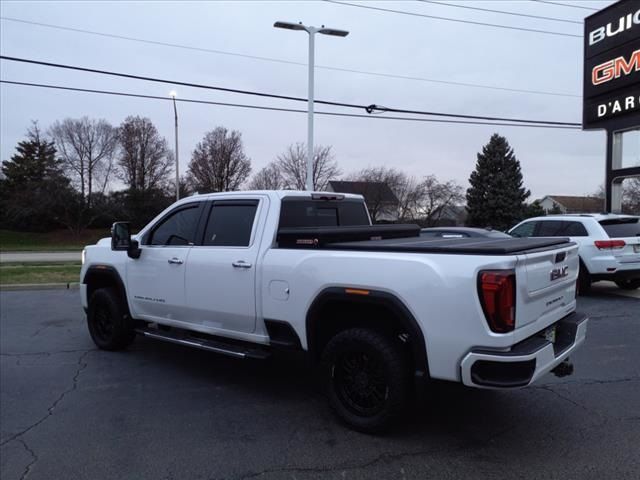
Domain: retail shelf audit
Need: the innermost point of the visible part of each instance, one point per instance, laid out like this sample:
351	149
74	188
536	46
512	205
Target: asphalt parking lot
161	411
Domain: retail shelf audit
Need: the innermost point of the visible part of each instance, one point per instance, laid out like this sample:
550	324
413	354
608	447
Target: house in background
381	201
569	204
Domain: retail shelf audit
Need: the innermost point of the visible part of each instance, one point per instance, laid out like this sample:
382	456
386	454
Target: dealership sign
612	67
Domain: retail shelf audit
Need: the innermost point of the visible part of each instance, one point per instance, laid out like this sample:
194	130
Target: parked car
462	232
609	244
380	308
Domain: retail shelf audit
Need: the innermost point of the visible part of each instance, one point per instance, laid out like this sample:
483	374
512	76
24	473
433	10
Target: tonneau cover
406	238
469	246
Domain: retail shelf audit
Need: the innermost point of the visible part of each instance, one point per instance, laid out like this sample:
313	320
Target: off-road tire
362	366
110	326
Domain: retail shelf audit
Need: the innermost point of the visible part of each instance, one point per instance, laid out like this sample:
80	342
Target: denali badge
559	272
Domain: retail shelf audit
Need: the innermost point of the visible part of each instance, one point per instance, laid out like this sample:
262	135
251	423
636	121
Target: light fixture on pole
312	32
173	95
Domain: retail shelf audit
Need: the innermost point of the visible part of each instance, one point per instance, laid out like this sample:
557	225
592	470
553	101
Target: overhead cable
277	109
434	17
291	62
560	4
368	108
503	12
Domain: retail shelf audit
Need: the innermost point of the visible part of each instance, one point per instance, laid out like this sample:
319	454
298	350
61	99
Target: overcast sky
553	161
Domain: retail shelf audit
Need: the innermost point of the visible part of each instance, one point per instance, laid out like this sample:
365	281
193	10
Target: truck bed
406	238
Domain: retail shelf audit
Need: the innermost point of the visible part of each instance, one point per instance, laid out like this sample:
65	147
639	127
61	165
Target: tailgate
626	229
630	253
546	283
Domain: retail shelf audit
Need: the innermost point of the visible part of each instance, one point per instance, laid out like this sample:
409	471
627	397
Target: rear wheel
367	378
110	326
584	280
628	284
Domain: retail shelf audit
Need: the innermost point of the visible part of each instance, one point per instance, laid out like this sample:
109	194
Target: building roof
380	191
579	204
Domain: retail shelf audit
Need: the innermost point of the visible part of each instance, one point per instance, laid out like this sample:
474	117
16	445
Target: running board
235	349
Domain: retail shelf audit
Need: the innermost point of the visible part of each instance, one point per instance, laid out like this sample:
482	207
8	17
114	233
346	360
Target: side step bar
206	342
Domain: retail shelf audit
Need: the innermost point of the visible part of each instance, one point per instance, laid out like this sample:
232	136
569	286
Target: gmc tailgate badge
559	272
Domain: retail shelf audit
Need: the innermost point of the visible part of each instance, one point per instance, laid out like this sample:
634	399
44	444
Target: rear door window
574	229
230	223
550	228
622	227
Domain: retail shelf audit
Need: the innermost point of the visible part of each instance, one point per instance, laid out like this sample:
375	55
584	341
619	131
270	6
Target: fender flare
374	297
96	273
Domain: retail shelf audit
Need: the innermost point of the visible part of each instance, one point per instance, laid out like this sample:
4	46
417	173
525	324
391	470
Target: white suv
609	244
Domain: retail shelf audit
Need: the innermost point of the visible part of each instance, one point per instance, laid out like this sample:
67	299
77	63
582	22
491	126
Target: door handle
175	261
241	264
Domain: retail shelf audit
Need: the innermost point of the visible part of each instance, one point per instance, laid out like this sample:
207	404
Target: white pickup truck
380	308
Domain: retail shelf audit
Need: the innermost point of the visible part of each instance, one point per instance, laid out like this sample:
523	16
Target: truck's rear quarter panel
440	290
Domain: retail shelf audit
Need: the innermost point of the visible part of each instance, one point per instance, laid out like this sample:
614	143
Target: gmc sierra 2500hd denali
381	309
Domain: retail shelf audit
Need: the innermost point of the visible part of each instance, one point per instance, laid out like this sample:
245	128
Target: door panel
156	279
156	282
221	273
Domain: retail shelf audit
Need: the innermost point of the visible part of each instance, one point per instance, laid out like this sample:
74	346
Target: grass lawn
11	274
59	240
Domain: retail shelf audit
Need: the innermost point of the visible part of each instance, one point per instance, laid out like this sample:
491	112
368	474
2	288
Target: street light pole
312	36
312	32
175	112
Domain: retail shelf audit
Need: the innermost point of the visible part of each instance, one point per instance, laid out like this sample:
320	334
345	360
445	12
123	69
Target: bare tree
293	167
434	198
631	196
145	159
424	202
377	202
218	163
409	197
87	148
269	178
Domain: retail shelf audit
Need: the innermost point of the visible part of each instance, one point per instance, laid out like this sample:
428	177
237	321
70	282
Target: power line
539	17
290	62
565	5
367	108
413	14
174	82
277	109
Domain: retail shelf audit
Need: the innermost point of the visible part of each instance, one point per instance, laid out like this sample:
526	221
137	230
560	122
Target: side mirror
121	239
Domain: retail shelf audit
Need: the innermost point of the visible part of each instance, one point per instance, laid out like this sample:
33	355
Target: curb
39	286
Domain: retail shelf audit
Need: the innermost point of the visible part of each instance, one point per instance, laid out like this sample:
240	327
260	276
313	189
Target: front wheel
110	326
628	284
367	378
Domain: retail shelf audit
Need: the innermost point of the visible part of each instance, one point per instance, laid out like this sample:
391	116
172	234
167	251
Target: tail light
497	291
609	244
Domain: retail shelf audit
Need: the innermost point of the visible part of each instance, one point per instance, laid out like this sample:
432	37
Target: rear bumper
526	361
630	274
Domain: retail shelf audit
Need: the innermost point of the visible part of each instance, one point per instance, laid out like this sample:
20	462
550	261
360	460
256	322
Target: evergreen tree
496	197
33	187
34	161
534	210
